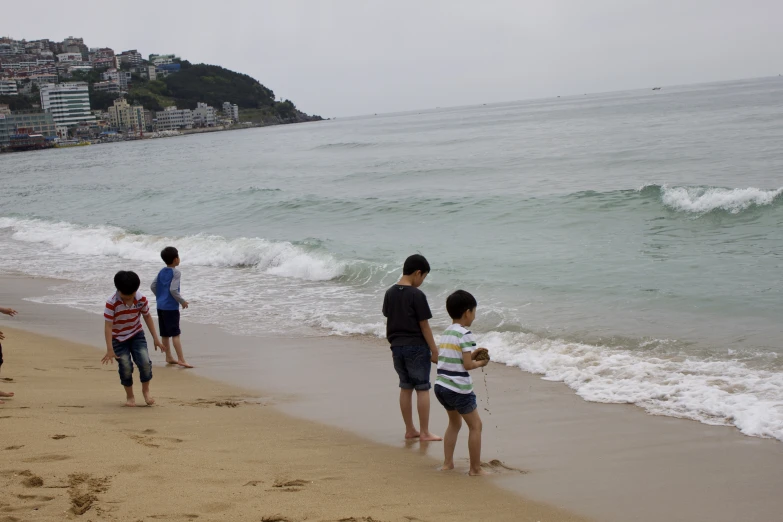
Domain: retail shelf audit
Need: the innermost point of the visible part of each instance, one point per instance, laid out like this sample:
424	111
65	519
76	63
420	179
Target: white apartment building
121	78
69	103
69	57
163	59
204	115
8	88
173	119
231	111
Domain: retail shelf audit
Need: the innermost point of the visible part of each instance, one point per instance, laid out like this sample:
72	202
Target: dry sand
206	451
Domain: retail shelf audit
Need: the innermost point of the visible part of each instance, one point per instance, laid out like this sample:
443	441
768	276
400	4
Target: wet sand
610	462
206	451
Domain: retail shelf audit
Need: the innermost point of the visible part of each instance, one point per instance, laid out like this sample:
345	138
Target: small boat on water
62	144
656	88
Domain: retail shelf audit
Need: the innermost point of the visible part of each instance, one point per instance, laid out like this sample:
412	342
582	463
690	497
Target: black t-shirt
403	307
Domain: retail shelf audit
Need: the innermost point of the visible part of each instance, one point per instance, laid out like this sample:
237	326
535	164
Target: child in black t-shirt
413	346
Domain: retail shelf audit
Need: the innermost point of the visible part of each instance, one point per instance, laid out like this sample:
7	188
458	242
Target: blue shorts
413	365
168	323
134	348
463	403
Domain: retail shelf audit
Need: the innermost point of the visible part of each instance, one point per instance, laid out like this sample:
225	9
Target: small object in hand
480	354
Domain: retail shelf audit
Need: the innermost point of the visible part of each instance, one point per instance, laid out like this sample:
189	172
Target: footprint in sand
59	437
497	466
84	490
275	518
254	483
15	447
41	498
6	379
291	485
47	458
32	480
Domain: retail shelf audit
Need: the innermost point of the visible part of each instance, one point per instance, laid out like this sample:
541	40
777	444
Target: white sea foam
714	392
277	258
700	200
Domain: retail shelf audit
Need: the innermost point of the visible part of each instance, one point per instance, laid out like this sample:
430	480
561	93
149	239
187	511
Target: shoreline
206	451
610	462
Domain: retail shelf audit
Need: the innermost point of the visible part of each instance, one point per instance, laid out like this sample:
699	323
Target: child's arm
153	332
174	289
427	332
470	364
8	311
110	355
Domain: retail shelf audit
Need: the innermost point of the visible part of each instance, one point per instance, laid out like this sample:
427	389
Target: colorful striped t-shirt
451	372
125	320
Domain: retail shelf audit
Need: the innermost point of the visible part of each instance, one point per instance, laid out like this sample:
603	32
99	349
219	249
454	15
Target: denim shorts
464	403
413	365
134	348
168	323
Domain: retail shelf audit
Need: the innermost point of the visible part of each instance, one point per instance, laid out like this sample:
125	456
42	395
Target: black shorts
168	323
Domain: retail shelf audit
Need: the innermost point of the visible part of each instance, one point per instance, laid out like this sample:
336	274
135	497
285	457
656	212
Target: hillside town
52	75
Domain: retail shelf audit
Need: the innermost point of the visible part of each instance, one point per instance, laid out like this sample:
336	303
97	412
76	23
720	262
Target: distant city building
163	59
173	119
127	117
68	103
28	122
204	115
121	78
4	109
69	57
132	57
106	86
231	111
166	69
149	73
8	88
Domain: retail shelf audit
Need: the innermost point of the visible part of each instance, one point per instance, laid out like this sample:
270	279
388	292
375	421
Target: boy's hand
109	358
184	305
159	345
8	311
434	357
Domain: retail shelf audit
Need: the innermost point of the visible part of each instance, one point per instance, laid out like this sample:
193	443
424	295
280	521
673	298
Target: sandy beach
207	451
295	421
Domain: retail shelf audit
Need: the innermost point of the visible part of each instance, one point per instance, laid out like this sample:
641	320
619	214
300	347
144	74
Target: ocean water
628	244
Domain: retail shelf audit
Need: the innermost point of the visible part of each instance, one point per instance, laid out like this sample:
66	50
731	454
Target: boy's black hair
414	263
168	255
127	283
460	302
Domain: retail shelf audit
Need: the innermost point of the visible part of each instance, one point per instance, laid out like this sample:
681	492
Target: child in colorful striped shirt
454	387
124	334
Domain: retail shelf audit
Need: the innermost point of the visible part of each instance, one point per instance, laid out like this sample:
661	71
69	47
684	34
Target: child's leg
180	357
2	393
167	349
423	406
125	369
406	408
138	350
473	421
450	439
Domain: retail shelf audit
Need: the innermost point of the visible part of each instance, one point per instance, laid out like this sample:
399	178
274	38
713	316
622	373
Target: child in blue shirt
166	288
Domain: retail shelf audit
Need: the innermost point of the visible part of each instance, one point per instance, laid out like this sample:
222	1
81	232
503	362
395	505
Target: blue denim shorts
134	348
413	365
463	403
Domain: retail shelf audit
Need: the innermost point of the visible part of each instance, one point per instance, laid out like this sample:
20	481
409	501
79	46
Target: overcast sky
349	57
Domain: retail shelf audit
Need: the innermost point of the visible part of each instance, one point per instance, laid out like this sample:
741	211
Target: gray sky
349	57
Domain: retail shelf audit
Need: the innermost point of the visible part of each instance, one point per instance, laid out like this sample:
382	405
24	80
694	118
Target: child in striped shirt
124	334
454	387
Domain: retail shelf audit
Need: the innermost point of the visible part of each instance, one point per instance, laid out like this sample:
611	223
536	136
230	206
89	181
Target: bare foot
477	473
131	402
172	361
412	435
148	399
2	402
6	394
427	436
447	467
184	364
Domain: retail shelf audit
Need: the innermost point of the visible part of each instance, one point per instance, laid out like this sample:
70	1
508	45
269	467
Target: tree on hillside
214	85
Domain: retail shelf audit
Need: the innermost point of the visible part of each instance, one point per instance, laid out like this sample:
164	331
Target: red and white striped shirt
125	320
